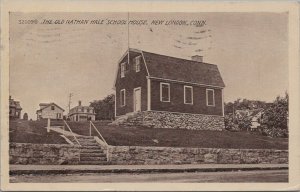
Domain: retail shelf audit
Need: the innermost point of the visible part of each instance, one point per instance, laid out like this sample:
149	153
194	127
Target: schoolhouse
161	91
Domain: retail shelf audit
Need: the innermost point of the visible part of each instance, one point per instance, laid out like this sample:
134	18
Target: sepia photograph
148	97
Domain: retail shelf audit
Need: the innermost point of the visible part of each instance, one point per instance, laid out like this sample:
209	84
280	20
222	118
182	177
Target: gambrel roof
173	68
181	70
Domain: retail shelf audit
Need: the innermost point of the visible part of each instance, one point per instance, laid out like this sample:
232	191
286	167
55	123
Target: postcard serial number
29	21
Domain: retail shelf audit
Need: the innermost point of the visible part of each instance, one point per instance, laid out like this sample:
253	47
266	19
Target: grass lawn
21	131
141	136
34	132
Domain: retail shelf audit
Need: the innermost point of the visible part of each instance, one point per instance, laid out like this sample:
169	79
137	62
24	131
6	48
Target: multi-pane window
137	61
52	107
210	97
123	67
122	97
188	95
165	92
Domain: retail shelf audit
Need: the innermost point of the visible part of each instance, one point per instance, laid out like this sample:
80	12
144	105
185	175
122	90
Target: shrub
231	123
275	118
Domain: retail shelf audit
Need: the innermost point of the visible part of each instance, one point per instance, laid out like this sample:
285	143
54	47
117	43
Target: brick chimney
197	58
79	103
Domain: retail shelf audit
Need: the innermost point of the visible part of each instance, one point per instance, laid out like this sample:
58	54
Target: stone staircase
91	152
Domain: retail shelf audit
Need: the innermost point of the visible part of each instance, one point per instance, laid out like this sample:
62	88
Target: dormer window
137	62
123	69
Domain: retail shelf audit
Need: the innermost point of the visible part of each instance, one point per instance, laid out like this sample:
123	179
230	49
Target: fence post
90	129
48	125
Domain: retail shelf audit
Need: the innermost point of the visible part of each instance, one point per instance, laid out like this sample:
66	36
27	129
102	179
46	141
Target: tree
275	117
25	116
243	120
105	108
243	104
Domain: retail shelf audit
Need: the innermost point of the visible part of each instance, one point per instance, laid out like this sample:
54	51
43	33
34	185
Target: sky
50	61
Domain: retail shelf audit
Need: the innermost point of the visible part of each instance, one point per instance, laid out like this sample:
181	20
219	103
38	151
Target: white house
49	110
82	113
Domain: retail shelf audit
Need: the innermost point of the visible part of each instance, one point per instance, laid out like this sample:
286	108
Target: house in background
14	109
82	113
49	110
254	115
166	92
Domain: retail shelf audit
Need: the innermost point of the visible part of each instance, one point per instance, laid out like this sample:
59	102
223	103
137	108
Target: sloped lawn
34	132
141	136
21	131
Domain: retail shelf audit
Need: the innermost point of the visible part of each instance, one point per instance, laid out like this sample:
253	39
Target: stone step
91	147
88	139
92	158
91	151
84	141
87	143
93	163
84	137
90	144
92	155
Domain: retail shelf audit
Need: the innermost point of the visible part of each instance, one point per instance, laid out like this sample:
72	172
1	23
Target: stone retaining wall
169	155
42	154
157	119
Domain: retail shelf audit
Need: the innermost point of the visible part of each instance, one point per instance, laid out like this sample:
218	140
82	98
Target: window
210	97
52	107
137	61
188	95
122	98
165	92
123	65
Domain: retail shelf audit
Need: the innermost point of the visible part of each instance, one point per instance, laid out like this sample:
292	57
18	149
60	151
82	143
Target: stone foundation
135	155
43	154
155	119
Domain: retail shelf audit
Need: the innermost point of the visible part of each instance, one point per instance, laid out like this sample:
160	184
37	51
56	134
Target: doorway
137	99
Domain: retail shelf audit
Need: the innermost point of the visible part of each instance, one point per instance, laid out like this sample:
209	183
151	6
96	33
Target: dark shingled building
159	86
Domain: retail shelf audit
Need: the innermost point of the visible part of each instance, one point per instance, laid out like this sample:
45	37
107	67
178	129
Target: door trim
137	88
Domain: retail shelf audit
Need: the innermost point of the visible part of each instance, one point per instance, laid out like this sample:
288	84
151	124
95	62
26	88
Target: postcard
128	95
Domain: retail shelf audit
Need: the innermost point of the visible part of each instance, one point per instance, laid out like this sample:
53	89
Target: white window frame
137	61
124	101
122	70
161	84
207	90
192	94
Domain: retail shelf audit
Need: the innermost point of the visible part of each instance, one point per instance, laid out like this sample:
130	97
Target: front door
137	99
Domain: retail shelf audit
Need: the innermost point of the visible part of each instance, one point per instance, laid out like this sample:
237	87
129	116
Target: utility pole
128	36
70	98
